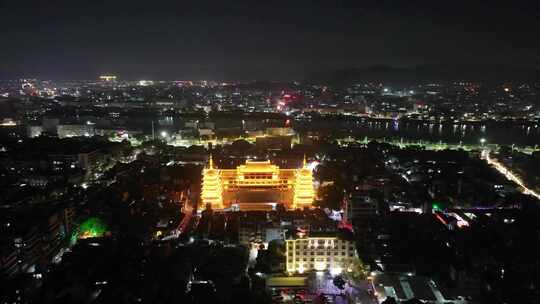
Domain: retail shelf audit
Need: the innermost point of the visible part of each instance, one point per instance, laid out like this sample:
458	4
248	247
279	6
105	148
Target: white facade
319	254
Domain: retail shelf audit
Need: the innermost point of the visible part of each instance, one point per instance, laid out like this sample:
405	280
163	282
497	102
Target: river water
506	133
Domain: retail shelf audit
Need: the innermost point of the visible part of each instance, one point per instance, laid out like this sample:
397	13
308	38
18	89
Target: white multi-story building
328	253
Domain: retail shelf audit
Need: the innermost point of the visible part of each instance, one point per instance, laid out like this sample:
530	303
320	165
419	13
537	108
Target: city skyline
373	152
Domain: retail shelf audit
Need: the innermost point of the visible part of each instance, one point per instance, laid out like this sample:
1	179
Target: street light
164	134
482	141
334	271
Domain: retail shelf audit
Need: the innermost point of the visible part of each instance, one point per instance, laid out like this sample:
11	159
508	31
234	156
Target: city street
187	210
508	174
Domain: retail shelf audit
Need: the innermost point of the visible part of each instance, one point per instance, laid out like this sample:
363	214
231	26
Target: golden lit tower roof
211	186
257	184
252	166
211	162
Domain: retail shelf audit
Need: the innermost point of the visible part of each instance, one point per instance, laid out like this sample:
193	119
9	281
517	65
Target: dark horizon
409	75
258	41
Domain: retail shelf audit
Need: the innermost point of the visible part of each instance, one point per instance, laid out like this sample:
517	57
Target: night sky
274	40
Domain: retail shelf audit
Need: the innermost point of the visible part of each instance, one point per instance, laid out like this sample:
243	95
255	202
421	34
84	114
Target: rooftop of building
407	287
252	166
39	147
17	221
337	234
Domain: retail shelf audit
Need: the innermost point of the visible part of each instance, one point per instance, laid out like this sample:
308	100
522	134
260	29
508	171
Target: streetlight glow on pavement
508	174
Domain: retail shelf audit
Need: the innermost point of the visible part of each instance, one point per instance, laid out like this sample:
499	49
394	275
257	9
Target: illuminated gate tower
257	185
